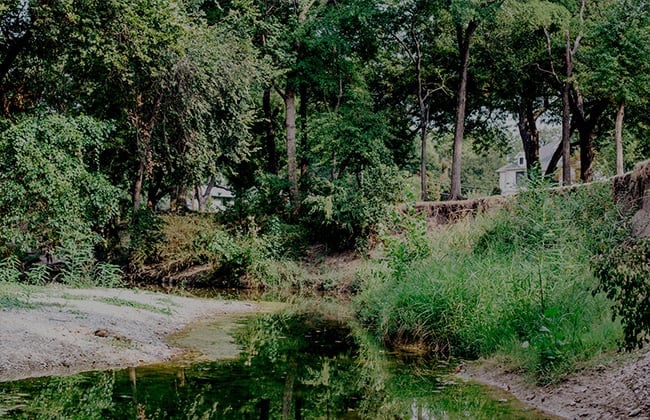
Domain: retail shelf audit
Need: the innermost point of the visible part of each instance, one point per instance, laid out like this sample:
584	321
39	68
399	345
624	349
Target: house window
520	178
521	161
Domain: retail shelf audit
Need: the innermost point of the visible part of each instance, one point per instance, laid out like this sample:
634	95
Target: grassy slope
518	282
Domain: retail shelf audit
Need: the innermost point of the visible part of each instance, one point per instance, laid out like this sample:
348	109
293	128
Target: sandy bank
64	331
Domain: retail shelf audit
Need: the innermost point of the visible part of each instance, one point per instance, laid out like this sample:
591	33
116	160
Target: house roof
514	165
545	155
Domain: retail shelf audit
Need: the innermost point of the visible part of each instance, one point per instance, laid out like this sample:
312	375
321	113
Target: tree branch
549	49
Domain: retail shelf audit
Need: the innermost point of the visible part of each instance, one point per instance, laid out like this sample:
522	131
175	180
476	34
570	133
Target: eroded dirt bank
616	390
64	331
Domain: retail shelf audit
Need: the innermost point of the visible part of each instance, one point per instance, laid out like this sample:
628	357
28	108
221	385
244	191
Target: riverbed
80	342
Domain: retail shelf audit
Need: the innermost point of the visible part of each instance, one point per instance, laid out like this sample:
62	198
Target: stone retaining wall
444	212
632	196
630	193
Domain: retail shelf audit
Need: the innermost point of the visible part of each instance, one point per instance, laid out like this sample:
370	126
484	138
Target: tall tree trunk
566	135
423	162
618	136
292	167
202	196
155	191
143	132
136	195
587	154
424	123
566	113
143	140
586	118
464	43
304	160
273	161
529	133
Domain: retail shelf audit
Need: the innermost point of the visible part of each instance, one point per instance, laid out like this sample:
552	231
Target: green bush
241	255
52	196
624	274
269	196
348	212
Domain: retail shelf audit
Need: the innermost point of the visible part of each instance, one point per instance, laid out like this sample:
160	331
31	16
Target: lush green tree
177	88
467	16
53	195
416	29
206	110
615	60
514	47
582	111
412	45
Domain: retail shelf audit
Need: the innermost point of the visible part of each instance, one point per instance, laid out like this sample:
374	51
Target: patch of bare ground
618	389
65	331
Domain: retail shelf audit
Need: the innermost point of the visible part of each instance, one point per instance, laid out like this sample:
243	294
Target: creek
287	363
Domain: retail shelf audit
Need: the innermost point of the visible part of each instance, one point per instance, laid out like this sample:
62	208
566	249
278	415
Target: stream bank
63	331
615	389
60	331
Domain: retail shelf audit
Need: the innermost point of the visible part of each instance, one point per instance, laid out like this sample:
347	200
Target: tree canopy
301	103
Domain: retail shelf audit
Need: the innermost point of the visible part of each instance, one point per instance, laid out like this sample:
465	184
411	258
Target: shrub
348	212
624	274
51	194
243	255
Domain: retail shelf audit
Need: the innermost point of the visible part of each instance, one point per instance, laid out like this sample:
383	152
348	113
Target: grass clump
519	282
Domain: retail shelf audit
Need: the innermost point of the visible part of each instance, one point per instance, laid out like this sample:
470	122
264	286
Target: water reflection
291	366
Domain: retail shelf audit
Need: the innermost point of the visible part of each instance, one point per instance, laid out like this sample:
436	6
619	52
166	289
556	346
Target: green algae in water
296	366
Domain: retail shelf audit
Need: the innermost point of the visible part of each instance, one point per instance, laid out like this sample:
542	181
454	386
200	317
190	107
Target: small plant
624	274
10	270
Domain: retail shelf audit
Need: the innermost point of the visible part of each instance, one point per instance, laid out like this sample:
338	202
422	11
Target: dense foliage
624	271
313	118
517	282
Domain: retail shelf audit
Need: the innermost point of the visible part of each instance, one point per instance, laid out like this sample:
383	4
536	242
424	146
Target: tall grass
518	281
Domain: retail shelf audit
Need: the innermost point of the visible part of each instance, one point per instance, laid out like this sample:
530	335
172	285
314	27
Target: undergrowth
518	281
243	255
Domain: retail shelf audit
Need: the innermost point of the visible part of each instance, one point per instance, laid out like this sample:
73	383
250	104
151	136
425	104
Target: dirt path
64	331
619	390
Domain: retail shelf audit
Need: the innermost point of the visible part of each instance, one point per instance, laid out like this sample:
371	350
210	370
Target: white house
512	177
220	198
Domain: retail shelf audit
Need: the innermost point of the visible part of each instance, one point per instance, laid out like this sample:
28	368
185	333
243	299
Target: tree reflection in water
292	366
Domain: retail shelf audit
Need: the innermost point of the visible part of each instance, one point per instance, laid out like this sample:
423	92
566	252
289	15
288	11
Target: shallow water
277	365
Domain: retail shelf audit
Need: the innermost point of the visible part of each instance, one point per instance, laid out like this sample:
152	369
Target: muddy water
286	364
